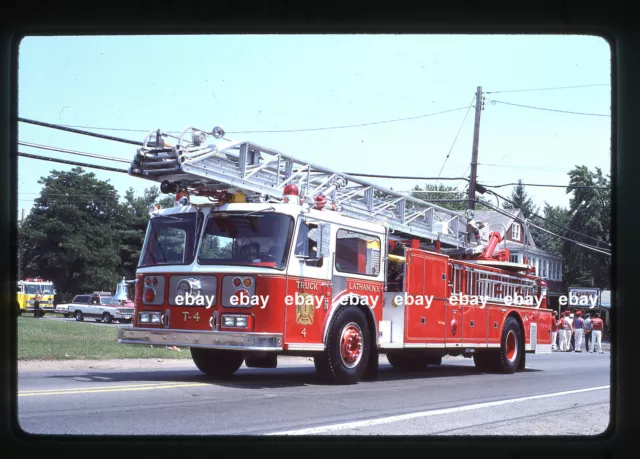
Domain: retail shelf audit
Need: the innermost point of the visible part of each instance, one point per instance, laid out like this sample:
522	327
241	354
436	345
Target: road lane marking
423	414
107	389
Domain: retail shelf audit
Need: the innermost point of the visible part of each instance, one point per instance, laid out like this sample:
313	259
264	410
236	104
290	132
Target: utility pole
20	248
474	154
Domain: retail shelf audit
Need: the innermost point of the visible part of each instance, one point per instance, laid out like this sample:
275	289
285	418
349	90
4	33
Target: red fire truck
283	257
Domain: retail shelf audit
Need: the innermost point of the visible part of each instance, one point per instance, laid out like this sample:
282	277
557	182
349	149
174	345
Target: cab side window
94	300
357	253
307	243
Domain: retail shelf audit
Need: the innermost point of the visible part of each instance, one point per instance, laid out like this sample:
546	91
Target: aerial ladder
218	169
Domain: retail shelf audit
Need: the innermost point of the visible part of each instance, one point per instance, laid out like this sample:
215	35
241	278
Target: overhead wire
457	134
547	89
546	109
546	219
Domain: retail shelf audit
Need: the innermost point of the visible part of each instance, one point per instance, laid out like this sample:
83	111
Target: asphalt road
558	394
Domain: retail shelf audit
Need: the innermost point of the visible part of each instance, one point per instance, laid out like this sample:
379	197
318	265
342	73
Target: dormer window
515	231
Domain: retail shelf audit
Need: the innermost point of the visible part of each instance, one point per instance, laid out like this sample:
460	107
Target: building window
513	258
515	231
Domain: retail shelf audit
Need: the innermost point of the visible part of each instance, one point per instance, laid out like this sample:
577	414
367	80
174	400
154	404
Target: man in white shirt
569	331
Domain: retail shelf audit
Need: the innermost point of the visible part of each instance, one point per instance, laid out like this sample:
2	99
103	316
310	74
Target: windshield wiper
247	214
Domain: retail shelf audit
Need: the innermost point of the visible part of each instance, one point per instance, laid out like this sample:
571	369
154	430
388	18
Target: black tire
511	349
507	359
217	362
106	318
349	327
79	316
407	362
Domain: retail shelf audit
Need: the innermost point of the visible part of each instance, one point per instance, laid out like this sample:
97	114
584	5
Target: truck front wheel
345	359
217	362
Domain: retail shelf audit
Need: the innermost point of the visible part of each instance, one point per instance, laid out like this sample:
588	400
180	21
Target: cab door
308	292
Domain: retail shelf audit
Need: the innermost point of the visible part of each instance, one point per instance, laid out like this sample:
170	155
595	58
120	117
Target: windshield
32	289
249	239
171	239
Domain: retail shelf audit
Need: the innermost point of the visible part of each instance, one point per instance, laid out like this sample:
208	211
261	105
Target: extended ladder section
263	173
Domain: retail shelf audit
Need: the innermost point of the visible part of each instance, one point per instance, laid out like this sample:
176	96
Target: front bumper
205	339
43	307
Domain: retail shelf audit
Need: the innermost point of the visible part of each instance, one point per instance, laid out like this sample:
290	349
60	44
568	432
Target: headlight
149	317
234	321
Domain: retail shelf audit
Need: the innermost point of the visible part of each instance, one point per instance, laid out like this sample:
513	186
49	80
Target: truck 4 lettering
195	317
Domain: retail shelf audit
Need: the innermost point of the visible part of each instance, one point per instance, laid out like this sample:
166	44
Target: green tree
521	200
548	242
72	235
441	195
589	214
136	210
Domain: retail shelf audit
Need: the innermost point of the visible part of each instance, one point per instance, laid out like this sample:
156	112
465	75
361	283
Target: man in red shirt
596	332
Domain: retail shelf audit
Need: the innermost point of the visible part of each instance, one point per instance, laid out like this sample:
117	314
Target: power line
525	221
596	249
513	166
404	177
393	177
73	152
77	131
546	109
349	125
547	89
546	219
456	137
73	163
70	128
549	186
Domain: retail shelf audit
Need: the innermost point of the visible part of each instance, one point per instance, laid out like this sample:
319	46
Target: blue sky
257	82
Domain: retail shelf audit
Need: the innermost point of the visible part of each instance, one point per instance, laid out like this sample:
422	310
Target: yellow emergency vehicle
27	290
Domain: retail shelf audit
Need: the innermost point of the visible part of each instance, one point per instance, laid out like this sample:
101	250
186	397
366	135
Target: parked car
101	306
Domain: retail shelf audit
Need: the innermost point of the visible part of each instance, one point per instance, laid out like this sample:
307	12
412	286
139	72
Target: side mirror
324	240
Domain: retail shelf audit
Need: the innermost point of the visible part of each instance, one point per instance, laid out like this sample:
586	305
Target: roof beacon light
291	194
181	200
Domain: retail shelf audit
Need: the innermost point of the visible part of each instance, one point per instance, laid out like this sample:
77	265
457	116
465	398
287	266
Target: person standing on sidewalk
36	305
578	330
562	327
596	326
554	331
587	331
572	336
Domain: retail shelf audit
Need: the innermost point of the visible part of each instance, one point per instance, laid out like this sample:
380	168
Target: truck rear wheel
79	316
217	362
345	359
508	358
